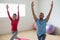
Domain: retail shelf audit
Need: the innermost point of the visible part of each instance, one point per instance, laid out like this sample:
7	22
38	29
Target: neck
41	18
14	19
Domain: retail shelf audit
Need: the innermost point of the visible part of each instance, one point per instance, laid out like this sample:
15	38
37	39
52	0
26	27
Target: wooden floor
31	34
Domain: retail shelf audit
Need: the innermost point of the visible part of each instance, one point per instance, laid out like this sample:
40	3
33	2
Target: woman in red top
14	23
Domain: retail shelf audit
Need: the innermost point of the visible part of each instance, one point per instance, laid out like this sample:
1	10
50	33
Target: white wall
55	16
25	22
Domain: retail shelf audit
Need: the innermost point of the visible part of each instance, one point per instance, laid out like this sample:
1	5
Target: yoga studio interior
27	26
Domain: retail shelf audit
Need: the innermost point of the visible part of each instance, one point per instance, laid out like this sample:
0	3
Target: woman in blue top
41	23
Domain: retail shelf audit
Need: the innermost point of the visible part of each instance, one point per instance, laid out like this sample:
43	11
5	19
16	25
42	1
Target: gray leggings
14	35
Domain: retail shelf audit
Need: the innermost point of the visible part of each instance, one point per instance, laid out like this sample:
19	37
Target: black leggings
42	37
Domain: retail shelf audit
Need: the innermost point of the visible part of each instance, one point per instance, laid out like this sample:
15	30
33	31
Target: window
12	9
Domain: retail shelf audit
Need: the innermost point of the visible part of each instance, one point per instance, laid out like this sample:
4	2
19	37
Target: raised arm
48	16
8	13
18	13
33	13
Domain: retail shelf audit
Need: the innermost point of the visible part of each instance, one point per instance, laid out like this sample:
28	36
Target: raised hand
52	4
48	16
7	6
33	13
18	13
18	6
32	4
